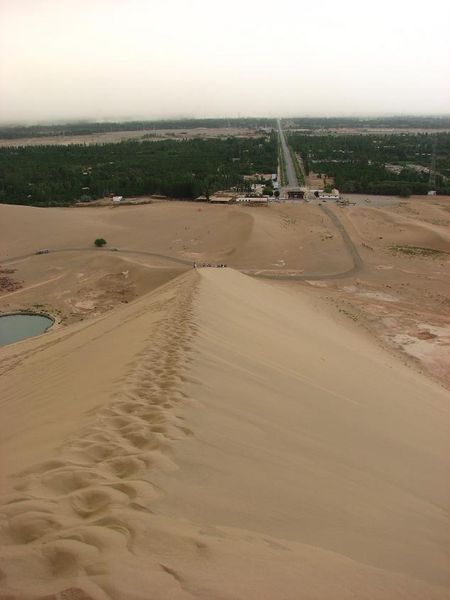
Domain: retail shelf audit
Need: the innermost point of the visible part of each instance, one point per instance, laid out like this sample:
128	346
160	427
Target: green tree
99	242
59	175
405	192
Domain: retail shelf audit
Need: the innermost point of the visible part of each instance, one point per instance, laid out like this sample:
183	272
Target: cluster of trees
59	175
86	127
358	162
426	122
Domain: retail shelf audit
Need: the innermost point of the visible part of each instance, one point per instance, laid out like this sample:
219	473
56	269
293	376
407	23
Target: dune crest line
69	513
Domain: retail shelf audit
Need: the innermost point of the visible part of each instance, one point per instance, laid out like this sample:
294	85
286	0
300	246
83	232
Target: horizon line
134	119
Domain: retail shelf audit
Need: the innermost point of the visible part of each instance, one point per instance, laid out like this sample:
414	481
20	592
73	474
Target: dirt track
356	258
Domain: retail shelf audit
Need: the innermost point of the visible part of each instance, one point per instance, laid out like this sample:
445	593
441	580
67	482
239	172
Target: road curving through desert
350	246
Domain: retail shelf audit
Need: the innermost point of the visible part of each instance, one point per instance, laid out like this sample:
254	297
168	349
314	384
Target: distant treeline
427	122
86	128
368	164
59	175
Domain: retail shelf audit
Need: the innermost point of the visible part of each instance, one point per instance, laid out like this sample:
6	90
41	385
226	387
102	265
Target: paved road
290	169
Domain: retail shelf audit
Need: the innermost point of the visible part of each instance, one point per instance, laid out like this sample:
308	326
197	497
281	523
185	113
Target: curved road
352	250
154	254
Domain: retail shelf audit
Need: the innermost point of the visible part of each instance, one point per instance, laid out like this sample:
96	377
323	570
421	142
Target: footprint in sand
32	525
95	500
126	466
68	557
73	512
90	453
68	480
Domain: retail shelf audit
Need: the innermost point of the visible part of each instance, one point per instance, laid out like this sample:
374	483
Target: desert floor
112	137
274	429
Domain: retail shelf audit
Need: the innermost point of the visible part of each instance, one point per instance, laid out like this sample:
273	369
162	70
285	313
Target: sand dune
293	236
220	438
400	229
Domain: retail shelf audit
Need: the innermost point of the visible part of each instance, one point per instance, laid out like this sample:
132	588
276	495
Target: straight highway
290	169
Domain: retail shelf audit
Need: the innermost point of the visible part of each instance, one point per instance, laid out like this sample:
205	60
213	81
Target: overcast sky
120	59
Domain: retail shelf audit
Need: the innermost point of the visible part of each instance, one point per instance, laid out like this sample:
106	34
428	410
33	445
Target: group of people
196	266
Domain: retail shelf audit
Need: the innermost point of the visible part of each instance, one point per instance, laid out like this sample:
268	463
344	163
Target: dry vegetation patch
416	251
7	283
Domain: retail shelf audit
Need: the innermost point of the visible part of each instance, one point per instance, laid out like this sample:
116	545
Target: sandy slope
220	438
295	237
400	229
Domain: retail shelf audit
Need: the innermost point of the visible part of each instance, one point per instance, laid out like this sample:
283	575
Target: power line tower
432	180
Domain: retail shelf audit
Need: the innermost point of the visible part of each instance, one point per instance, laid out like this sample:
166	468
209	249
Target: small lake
14	328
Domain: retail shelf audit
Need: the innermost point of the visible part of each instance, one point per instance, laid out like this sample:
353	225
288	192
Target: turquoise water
14	328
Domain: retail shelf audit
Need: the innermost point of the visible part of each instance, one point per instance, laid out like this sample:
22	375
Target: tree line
406	122
364	163
60	175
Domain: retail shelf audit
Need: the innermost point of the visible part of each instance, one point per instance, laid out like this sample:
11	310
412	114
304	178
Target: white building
327	196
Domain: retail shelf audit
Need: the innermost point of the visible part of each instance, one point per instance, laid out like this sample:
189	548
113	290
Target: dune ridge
74	505
242	444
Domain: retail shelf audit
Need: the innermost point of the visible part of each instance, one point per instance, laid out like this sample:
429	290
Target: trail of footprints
66	512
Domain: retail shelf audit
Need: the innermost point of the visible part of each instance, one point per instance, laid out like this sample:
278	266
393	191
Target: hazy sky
112	59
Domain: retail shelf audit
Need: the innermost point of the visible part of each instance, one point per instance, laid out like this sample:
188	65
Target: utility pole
432	180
